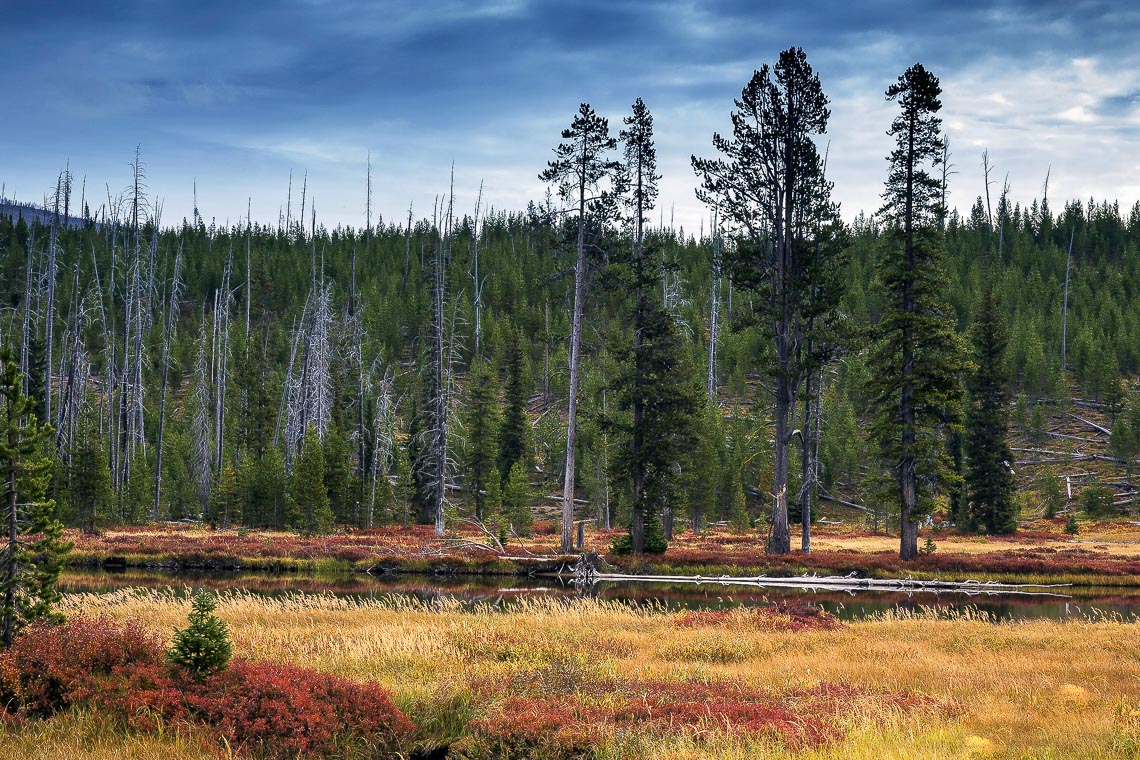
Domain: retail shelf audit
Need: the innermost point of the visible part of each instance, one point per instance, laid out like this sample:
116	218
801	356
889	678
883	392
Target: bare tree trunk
567	543
167	336
714	307
12	465
408	248
477	283
1065	301
439	451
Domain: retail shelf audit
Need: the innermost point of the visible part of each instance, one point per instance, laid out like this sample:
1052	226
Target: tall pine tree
580	170
769	183
916	389
991	485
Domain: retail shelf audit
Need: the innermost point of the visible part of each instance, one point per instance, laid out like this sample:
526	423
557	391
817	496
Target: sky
233	97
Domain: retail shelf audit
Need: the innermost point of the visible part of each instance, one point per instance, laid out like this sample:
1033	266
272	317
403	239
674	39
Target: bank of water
1085	602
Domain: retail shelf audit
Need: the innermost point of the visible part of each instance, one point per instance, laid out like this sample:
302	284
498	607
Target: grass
929	684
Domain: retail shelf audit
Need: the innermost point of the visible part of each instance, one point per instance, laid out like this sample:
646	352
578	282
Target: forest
574	359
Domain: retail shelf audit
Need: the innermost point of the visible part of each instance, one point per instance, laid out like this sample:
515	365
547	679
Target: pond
1075	602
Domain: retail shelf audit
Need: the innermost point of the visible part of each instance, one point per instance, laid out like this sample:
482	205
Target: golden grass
1033	689
1111	545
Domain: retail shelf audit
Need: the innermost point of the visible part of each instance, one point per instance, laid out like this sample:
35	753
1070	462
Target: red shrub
119	666
283	710
119	671
554	719
781	615
535	728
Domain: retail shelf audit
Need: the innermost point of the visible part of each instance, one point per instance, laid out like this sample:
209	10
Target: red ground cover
119	671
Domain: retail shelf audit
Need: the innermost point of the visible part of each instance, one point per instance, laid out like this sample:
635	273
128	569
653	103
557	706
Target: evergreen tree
704	467
770	184
309	499
660	387
340	477
33	549
90	488
225	498
580	170
482	418
203	647
517	499
515	432
493	508
915	391
990	480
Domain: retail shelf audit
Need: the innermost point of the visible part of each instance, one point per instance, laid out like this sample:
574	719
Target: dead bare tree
714	302
477	283
167	336
200	427
1065	300
580	170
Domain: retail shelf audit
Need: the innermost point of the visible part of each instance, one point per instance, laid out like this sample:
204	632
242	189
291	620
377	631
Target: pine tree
916	388
515	432
33	549
90	488
203	647
991	485
482	417
225	498
770	184
308	497
517	498
580	171
661	388
704	467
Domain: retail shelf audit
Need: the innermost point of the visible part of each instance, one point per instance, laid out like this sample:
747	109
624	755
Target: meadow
558	679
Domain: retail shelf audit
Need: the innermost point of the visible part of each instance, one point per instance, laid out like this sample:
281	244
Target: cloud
237	94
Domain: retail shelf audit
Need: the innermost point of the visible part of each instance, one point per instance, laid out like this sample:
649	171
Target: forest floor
558	679
1103	553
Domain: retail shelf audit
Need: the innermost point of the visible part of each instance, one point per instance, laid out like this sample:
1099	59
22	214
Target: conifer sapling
203	647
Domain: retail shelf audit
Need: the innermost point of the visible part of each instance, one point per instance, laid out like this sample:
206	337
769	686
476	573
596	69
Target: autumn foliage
565	709
120	672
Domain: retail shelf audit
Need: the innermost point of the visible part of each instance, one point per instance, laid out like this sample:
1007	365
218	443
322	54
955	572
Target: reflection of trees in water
502	591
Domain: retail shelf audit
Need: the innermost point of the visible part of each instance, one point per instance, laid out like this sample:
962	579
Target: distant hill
33	213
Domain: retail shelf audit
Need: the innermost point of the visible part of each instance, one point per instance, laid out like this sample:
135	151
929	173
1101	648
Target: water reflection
1082	602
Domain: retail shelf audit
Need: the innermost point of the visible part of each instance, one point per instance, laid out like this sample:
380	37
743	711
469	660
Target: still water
1080	602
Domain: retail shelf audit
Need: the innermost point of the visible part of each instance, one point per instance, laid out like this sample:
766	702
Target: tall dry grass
1031	689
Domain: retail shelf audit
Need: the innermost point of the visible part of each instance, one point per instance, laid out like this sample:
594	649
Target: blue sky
234	96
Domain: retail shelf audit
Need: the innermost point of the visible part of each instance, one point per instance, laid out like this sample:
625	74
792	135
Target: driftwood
848	583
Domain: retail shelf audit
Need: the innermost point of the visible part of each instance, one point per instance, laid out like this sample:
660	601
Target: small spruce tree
203	647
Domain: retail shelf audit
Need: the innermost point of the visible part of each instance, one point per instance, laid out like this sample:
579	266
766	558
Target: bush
49	668
203	647
120	672
283	710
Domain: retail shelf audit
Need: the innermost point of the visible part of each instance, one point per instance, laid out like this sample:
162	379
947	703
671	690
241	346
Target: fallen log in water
848	583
